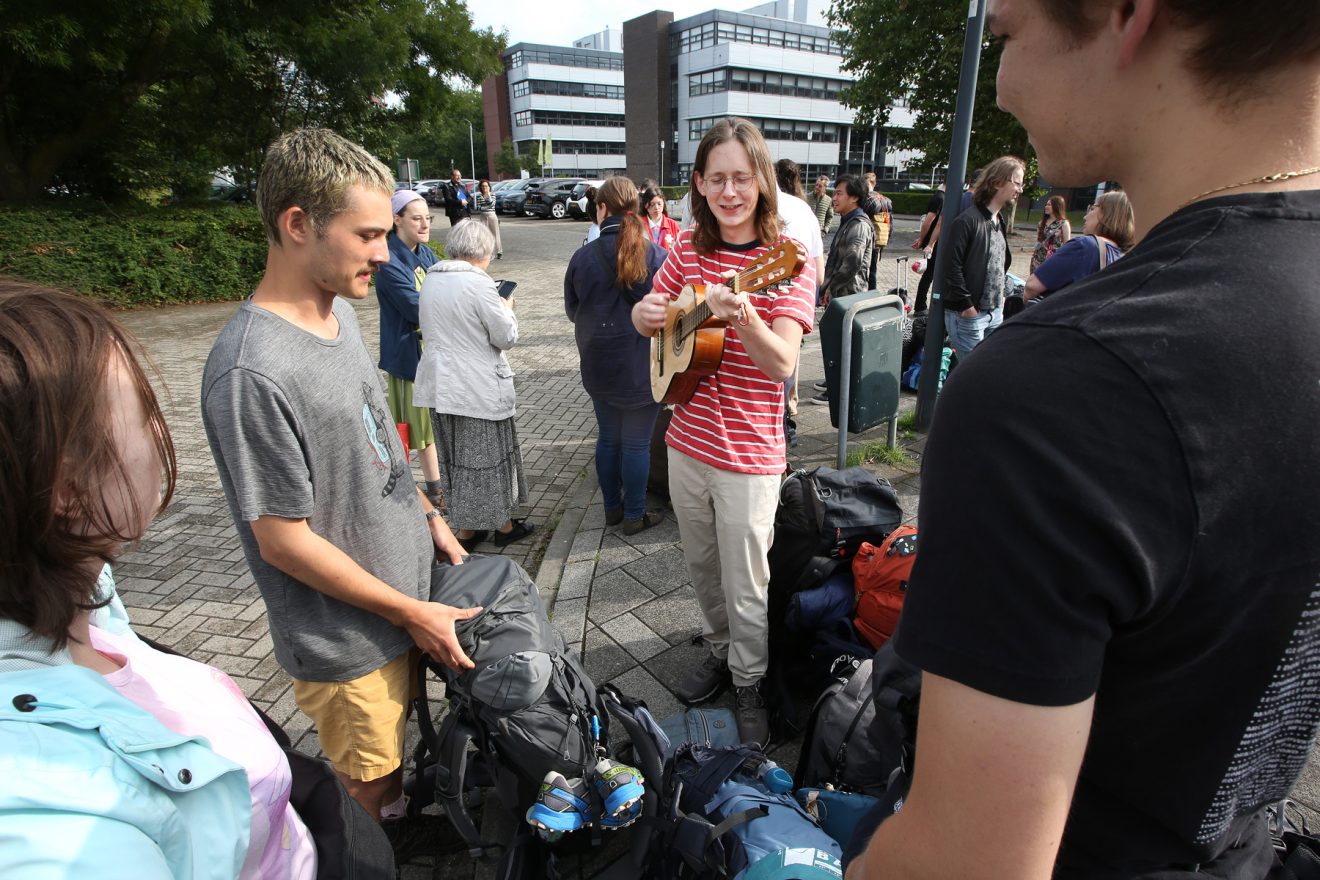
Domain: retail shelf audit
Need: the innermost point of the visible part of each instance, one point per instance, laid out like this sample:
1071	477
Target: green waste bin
876	356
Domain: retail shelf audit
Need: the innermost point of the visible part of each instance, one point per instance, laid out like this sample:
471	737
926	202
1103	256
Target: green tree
442	143
104	98
912	49
507	161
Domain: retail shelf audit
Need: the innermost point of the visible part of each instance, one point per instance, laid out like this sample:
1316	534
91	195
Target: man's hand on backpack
431	626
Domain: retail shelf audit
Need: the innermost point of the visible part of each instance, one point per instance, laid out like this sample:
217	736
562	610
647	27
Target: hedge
136	256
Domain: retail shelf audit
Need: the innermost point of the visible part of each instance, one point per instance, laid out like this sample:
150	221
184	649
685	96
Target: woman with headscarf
398	286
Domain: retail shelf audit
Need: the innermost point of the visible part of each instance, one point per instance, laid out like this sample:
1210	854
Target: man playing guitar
726	444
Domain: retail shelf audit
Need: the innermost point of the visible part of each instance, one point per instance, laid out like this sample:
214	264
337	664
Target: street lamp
472	154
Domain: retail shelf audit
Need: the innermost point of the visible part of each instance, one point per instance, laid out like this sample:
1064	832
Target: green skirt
399	393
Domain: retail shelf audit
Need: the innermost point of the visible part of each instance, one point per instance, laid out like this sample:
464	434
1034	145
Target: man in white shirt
799	222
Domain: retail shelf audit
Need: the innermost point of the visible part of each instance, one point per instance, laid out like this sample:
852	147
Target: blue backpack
727	819
712	816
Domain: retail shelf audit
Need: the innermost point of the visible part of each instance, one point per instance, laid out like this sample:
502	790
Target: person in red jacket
662	229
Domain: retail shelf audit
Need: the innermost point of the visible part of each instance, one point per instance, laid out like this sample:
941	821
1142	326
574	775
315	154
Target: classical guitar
691	344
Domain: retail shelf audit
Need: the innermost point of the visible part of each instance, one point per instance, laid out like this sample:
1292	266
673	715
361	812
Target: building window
567	58
523	117
585	148
775	129
520	89
711	33
566	117
571	89
708	83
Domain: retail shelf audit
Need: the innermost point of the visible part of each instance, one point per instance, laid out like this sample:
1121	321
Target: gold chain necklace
1268	178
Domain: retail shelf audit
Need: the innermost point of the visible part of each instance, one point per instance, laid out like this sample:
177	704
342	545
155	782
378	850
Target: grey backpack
527	706
862	726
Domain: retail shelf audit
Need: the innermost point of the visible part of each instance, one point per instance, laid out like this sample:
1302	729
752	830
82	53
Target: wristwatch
432	514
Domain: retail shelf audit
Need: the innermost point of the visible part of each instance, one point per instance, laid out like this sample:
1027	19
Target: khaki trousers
726	522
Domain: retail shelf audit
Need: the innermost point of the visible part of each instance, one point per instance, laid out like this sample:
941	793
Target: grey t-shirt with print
299	428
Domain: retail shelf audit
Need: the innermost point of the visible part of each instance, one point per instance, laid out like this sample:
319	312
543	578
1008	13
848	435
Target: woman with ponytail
605	279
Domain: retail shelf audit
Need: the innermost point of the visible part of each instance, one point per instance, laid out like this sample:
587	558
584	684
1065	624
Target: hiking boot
704	682
619	787
753	720
649	519
561	805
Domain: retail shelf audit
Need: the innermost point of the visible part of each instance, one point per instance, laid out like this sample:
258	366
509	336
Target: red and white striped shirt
735	419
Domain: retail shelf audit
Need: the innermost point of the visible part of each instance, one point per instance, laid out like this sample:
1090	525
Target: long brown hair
58	453
1060	213
619	196
706	229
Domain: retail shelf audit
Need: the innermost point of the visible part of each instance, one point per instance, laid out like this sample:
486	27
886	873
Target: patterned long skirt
482	470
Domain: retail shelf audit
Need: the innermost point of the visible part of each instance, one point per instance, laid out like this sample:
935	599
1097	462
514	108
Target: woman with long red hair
605	279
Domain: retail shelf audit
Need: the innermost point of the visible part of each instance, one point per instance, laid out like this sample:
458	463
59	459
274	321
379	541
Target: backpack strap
1103	245
714	766
450	778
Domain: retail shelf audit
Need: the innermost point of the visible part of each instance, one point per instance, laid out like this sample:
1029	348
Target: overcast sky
559	24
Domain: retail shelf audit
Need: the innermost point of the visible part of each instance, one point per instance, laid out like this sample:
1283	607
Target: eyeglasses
741	182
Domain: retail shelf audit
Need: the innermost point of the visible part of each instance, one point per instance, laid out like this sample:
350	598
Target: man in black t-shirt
927	237
1116	606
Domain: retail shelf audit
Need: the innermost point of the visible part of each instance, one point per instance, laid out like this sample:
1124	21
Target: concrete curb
558	550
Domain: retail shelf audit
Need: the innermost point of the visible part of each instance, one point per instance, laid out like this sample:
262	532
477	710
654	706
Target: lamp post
472	153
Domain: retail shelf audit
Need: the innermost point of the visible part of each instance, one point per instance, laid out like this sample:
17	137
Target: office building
572	96
776	64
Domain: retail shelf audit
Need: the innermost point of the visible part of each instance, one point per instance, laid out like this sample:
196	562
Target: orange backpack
880	577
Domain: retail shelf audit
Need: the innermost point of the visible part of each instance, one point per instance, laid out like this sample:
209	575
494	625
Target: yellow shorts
361	722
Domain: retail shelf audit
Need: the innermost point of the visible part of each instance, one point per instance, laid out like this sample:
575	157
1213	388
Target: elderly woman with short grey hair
464	376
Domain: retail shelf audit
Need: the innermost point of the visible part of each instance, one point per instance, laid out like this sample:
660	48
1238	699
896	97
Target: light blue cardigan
93	786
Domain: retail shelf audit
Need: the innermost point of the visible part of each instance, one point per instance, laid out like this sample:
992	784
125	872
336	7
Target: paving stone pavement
625	602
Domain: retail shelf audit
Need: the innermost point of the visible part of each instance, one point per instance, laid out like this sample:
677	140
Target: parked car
550	199
428	189
510	201
577	201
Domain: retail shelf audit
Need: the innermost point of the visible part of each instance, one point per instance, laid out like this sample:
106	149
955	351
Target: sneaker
629	815
619	787
561	805
470	544
822	399
521	529
820	386
704	682
753	720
